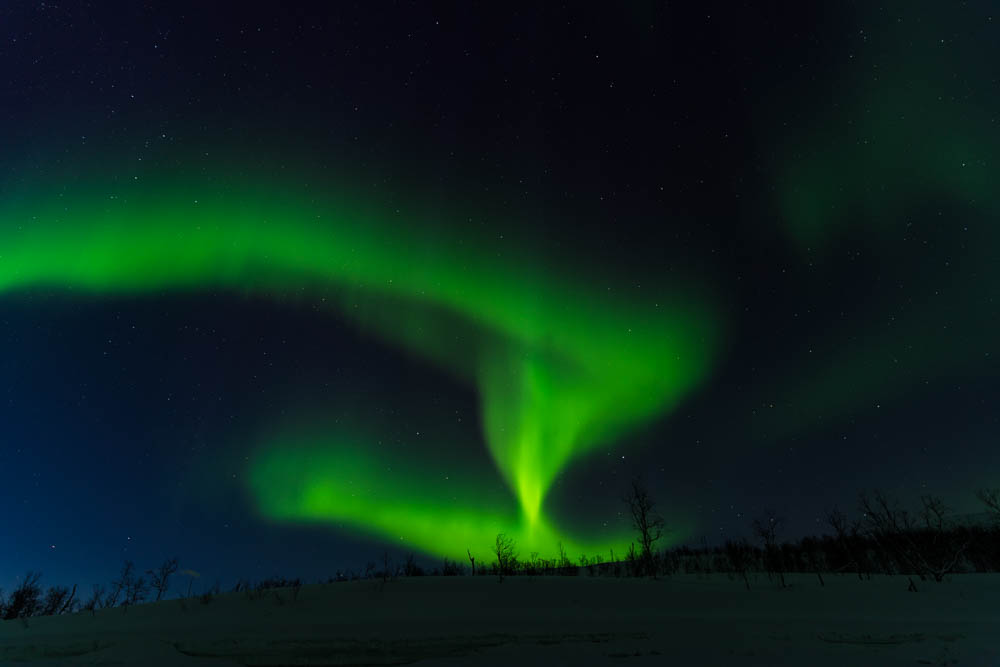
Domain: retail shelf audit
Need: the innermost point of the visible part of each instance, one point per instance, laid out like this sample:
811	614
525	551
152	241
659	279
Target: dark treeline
129	588
882	538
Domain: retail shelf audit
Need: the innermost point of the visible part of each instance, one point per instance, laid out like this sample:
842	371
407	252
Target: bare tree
96	600
848	535
942	548
766	529
118	585
991	498
386	565
130	588
740	554
472	559
25	600
925	547
411	569
160	578
812	554
565	564
452	568
136	591
52	600
648	524
633	561
506	556
58	600
70	603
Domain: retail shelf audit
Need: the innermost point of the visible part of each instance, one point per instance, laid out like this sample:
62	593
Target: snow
681	620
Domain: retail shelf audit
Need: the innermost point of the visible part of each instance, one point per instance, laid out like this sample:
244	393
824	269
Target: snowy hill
683	620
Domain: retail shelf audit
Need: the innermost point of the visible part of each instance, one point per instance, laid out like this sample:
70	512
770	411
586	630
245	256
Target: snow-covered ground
682	620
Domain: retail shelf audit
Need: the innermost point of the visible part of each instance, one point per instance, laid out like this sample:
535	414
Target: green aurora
561	362
897	173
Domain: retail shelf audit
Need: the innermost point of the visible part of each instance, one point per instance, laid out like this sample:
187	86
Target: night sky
283	287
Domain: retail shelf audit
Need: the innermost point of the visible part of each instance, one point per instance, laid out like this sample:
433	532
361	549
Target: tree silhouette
25	600
991	498
766	529
648	524
160	578
924	544
506	557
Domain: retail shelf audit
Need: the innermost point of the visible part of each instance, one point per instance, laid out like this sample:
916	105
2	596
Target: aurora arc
560	365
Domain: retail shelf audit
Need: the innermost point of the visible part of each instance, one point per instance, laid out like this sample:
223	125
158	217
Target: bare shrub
268	585
926	544
411	569
504	549
25	600
160	578
766	529
58	600
211	593
386	566
850	540
119	584
740	556
632	564
96	600
136	591
131	588
991	498
452	568
565	565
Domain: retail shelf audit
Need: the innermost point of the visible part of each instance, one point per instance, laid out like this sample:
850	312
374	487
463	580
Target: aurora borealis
341	280
557	370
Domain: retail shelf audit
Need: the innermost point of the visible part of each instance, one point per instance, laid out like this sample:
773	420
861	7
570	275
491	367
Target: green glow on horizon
561	364
292	480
